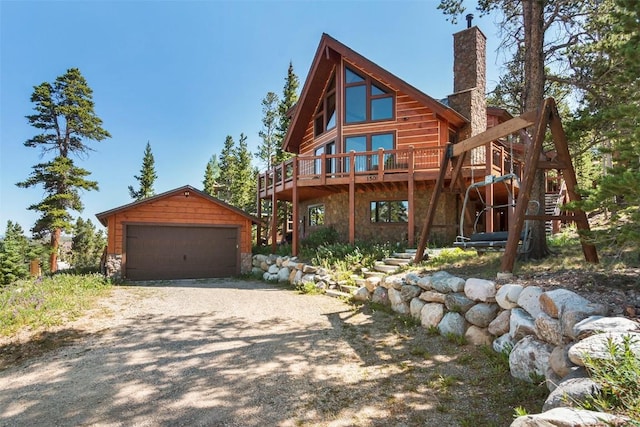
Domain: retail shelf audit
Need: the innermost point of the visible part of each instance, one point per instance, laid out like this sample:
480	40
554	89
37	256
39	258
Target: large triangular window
366	100
325	118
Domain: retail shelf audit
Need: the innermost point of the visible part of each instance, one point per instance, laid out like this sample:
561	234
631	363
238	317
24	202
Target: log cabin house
368	147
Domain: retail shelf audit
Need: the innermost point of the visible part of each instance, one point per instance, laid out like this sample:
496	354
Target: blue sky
185	74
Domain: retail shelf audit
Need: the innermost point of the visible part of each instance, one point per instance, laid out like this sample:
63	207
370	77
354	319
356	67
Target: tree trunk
534	78
55	244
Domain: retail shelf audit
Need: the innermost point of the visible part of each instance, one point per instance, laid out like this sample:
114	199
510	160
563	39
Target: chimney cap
469	19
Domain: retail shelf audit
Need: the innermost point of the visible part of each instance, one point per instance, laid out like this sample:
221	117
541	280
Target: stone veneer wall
337	216
547	333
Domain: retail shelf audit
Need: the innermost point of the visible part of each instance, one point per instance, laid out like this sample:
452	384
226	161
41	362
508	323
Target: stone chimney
469	79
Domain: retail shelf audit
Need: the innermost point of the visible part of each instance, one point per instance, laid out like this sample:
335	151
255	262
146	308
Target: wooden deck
314	176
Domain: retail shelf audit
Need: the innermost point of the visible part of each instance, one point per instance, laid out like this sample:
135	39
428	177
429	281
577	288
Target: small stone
410	292
431	314
503	344
480	290
452	323
445	282
380	296
372	282
529	300
548	329
507	296
529	358
598	324
597	346
481	314
478	336
559	360
283	274
568	417
432	296
412	278
415	307
362	295
574	389
395	281
500	325
458	302
425	283
309	269
398	304
521	324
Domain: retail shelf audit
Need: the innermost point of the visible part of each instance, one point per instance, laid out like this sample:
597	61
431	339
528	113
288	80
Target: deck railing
328	168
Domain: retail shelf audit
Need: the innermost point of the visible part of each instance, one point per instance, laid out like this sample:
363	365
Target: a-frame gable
328	56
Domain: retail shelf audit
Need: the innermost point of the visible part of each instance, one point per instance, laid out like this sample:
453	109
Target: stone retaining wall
547	333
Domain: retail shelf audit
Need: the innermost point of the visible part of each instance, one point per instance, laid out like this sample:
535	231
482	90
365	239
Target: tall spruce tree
227	163
211	176
14	254
146	178
65	117
243	183
288	100
269	134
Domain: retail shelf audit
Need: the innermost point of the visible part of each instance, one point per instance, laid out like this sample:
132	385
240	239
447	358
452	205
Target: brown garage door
155	252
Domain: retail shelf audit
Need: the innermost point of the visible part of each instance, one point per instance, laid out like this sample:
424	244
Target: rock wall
546	333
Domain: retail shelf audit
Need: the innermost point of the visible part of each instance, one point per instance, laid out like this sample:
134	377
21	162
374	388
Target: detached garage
181	234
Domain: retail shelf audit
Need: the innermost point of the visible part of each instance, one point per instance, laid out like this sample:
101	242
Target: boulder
572	315
431	314
554	302
500	325
521	324
395	281
432	296
412	278
551	379
597	346
297	278
415	307
410	292
362	295
458	302
572	390
273	269
283	274
398	304
503	344
507	296
568	417
559	360
529	358
481	314
597	324
425	283
308	278
529	300
372	283
480	290
478	336
309	269
445	282
452	323
380	296
548	329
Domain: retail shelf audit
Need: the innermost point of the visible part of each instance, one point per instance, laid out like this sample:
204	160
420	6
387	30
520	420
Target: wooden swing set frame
455	154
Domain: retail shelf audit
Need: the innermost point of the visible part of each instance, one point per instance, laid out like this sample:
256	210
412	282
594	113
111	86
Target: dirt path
233	353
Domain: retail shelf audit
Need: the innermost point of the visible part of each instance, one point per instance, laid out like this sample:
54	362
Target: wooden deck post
489	193
295	238
411	198
352	197
274	218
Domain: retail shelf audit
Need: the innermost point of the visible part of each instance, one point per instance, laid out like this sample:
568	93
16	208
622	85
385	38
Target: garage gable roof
102	216
329	53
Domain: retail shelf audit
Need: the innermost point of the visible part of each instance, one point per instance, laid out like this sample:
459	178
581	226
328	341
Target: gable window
389	211
325	117
366	100
361	143
316	215
330	164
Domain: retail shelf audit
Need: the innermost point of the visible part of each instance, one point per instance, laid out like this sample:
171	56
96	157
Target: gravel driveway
229	353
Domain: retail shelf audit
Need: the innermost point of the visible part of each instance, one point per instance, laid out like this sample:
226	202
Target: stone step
348	289
369	273
404	255
396	261
384	268
337	294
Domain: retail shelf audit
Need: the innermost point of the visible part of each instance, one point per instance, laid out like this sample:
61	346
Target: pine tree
87	245
243	183
14	254
227	163
289	98
211	176
271	140
146	178
65	117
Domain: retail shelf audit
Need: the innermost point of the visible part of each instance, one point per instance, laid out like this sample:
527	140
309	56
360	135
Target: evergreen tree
243	183
227	163
211	176
271	140
14	254
65	117
147	176
87	244
289	98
